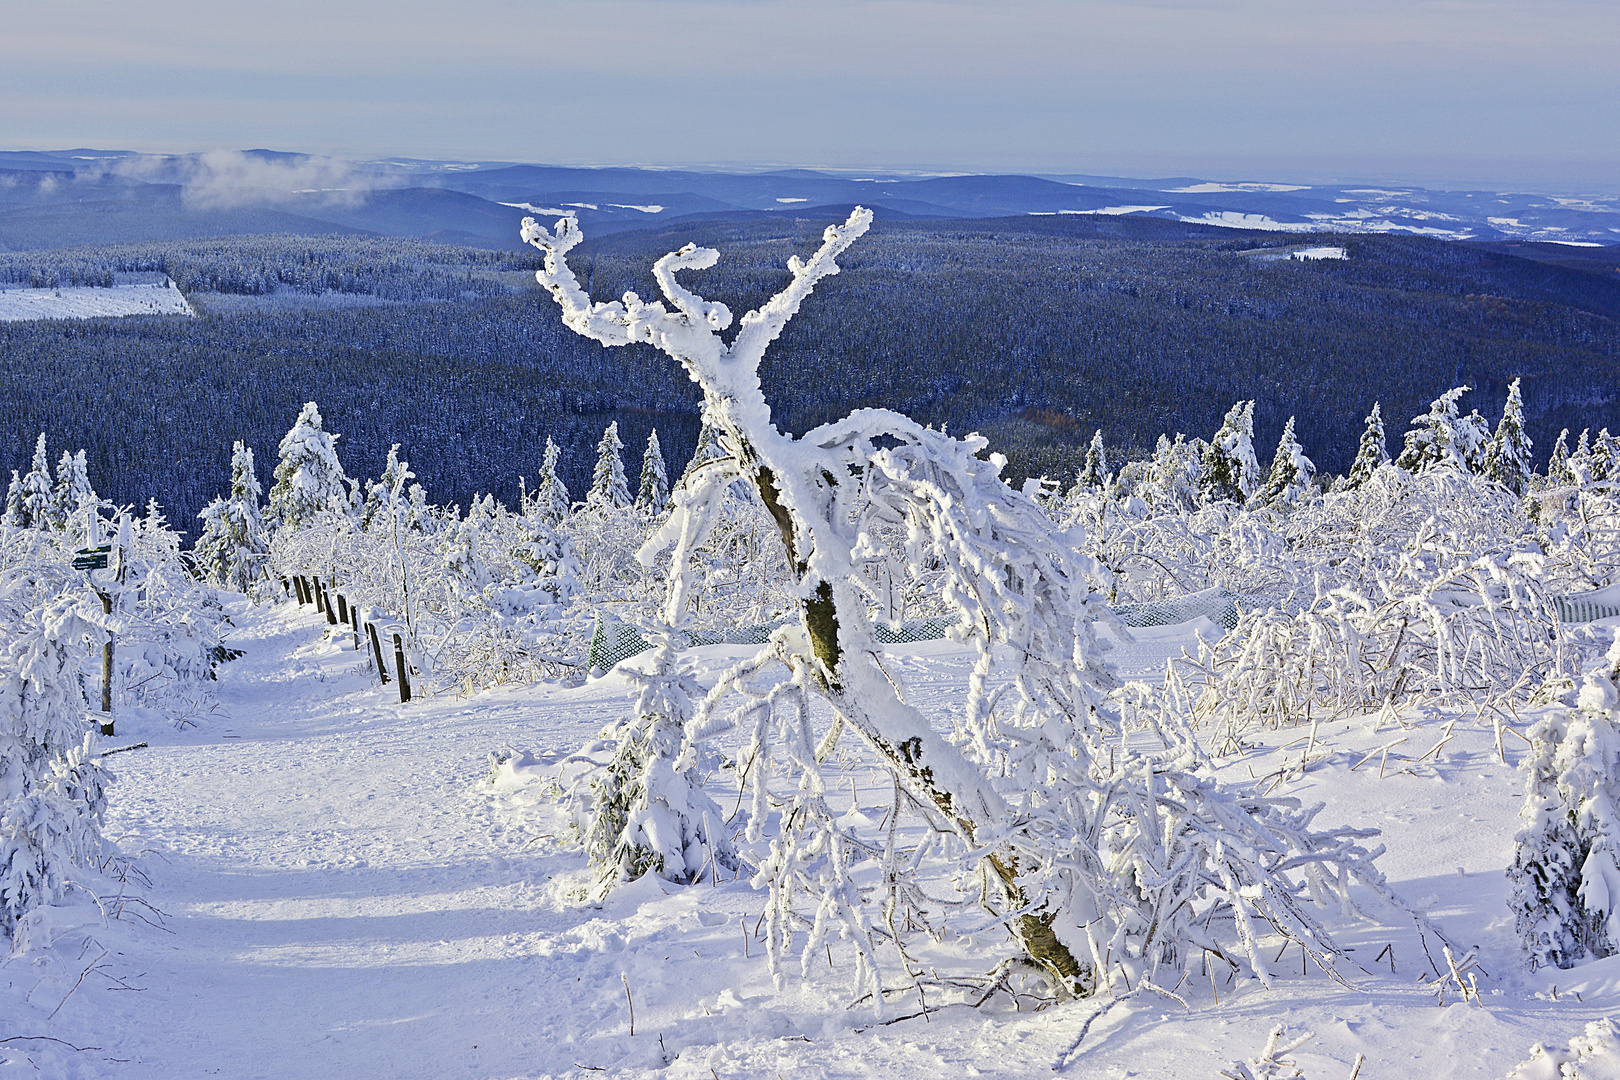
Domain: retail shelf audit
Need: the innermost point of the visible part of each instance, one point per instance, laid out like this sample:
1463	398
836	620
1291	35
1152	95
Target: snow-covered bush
1592	1055
1566	859
646	810
52	785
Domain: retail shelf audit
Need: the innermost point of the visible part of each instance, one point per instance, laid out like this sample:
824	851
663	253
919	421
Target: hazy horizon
1481	94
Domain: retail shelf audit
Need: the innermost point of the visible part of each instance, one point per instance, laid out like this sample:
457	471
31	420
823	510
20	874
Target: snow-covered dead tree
1093	855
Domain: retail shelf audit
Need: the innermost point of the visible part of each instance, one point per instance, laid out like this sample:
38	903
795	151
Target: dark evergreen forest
1032	330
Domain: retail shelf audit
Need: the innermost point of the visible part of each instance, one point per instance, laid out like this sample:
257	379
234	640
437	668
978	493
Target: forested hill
1034	330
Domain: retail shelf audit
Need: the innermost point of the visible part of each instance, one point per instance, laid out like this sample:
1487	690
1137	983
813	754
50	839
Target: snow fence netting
613	640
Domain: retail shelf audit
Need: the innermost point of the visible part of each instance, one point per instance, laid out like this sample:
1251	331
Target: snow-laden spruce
1229	471
609	489
1096	855
1566	859
233	548
52	785
309	478
652	496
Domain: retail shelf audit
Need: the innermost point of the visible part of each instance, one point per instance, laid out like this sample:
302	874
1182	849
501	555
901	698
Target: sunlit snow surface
86	302
335	891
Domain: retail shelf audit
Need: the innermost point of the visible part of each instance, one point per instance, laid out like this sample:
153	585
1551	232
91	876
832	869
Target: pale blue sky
1447	93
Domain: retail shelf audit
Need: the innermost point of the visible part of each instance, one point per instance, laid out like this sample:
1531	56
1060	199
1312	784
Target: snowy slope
334	890
86	302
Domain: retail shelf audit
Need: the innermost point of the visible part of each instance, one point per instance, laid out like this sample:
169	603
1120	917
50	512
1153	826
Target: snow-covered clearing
87	302
342	894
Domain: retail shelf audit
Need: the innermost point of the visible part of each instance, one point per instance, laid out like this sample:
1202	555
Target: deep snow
342	893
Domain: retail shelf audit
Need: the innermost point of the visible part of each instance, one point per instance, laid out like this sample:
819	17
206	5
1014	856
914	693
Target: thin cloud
225	179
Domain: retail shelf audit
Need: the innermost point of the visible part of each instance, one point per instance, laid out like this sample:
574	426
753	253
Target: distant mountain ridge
56	199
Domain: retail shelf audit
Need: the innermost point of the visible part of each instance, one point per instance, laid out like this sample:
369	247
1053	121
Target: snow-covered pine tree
647	810
652	497
1565	875
73	493
248	549
38	493
1093	474
1292	476
1442	437
708	449
386	498
551	494
1604	461
52	786
14	501
309	479
1041	783
1229	471
1506	458
609	490
549	555
1370	454
1558	471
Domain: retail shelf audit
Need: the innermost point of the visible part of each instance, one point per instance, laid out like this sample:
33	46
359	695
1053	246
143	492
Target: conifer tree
708	449
14	501
551	494
1604	462
1093	475
1506	459
1558	471
608	486
1292	473
1442	437
52	786
1229	470
73	491
386	497
38	493
1370	454
309	479
653	494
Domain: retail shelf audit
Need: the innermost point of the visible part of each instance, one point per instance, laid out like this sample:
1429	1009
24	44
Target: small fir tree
52	786
1506	459
1604	461
309	479
14	501
551	494
608	486
1230	472
1443	438
1558	471
653	495
38	493
1565	877
1292	477
1093	474
1370	454
73	493
647	810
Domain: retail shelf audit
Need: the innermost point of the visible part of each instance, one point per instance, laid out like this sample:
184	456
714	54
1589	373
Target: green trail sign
92	558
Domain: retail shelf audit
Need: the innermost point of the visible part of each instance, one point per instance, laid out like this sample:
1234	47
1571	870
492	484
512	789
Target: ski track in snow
341	896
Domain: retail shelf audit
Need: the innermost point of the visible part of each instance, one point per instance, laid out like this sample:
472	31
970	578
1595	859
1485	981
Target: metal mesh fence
1587	607
1218	605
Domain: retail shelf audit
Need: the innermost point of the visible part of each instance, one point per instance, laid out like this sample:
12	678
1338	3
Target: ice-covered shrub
1566	859
52	785
1592	1055
1094	854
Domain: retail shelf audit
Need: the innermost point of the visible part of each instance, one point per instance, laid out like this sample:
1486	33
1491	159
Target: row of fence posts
339	612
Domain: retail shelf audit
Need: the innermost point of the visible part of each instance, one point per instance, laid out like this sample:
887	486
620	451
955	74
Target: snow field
343	894
86	302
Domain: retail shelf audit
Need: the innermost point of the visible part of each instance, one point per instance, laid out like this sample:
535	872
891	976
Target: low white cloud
223	179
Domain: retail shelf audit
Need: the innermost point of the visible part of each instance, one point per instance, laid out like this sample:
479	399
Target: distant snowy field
87	302
327	885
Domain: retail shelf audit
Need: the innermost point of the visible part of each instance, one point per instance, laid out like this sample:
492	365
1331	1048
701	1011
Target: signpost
88	559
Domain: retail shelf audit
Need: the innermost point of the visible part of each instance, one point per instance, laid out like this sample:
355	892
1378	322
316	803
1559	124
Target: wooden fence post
376	648
343	608
399	666
298	590
354	621
331	608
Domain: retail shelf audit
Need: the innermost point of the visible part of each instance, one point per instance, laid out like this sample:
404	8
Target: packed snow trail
340	896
